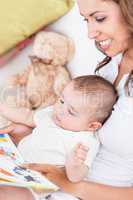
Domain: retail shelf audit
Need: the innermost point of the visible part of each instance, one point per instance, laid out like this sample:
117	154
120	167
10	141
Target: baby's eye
61	101
71	113
100	19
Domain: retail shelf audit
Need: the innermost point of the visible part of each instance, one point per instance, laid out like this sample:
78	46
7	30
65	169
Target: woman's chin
111	53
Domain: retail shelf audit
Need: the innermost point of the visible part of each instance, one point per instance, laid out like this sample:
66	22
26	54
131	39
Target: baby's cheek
65	123
55	108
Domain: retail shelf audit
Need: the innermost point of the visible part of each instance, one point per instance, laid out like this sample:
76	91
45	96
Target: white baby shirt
49	143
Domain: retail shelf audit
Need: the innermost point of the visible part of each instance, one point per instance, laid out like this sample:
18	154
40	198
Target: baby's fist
80	152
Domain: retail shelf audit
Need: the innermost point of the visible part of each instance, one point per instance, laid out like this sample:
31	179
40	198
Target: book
13	174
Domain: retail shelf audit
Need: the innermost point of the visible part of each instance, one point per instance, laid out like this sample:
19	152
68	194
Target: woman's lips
105	44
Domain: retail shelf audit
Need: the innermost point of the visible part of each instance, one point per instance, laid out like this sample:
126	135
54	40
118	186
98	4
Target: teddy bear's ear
71	49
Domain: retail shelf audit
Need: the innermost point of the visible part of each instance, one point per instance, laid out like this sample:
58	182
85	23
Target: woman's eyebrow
89	14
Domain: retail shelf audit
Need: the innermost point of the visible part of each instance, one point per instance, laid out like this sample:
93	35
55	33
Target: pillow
15	51
20	19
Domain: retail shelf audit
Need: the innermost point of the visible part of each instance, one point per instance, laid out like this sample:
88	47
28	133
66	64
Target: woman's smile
104	44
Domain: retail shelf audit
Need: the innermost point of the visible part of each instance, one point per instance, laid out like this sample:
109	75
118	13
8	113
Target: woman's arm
94	191
84	190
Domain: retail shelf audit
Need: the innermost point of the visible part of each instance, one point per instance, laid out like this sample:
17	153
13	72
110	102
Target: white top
114	162
49	143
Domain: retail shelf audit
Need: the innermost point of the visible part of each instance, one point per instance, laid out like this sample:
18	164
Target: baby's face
71	110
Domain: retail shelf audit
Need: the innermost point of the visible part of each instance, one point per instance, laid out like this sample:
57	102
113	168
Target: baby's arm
17	115
76	168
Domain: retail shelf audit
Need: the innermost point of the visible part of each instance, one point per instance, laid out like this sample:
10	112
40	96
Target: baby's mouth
56	118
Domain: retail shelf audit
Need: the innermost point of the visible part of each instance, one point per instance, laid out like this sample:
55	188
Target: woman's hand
57	175
53	173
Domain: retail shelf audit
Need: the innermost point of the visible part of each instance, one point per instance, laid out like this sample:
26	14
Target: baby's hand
80	152
76	169
78	155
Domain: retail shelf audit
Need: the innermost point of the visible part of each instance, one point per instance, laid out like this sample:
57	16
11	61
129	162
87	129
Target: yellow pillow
21	18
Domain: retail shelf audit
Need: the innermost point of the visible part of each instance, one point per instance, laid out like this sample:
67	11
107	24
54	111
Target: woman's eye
100	19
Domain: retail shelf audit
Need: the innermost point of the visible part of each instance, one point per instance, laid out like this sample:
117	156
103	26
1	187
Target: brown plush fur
41	83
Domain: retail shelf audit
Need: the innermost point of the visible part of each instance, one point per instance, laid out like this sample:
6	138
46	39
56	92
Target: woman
110	24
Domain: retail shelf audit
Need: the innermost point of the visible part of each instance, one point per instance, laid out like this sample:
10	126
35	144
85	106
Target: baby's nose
61	113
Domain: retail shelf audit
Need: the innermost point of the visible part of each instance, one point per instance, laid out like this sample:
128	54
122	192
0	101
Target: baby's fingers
84	147
81	152
81	155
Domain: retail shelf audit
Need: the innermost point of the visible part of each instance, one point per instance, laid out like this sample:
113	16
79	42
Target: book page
11	172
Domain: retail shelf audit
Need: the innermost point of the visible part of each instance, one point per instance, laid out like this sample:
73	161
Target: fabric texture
20	19
15	51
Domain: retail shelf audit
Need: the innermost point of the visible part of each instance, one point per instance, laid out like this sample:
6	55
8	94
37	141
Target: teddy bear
40	84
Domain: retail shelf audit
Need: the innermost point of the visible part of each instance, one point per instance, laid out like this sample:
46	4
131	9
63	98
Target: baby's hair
100	92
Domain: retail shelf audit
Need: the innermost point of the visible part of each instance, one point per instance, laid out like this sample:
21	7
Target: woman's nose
93	32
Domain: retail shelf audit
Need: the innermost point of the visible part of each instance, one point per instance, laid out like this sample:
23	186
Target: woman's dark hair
126	7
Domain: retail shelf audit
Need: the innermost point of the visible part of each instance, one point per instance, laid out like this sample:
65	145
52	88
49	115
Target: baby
86	102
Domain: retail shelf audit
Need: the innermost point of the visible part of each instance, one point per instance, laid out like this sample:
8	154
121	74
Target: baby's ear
71	49
93	126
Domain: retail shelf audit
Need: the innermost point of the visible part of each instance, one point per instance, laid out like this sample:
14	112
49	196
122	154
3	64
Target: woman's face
106	25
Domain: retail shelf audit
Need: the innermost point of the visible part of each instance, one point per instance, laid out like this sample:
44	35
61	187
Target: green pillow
21	18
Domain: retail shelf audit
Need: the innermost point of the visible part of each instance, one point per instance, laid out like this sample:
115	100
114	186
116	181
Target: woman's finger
43	168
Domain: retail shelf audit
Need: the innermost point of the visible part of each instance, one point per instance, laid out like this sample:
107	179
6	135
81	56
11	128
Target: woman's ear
93	126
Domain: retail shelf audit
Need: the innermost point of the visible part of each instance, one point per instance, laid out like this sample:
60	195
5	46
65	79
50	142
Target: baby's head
86	102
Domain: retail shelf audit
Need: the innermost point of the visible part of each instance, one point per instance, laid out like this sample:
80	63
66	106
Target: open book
11	172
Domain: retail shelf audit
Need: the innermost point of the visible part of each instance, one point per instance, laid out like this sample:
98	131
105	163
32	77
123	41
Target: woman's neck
129	54
126	64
